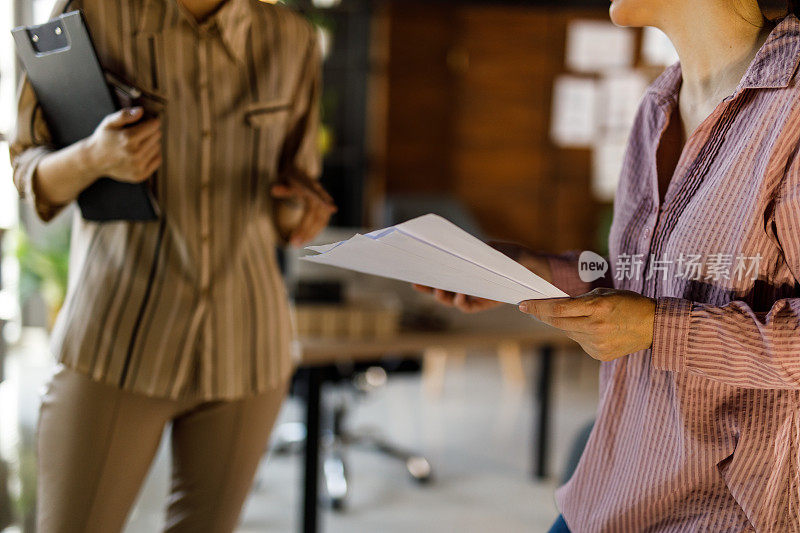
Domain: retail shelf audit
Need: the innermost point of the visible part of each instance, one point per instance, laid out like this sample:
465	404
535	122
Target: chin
632	13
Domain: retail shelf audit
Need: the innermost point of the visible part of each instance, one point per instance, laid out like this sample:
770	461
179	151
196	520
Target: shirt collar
775	63
773	66
233	22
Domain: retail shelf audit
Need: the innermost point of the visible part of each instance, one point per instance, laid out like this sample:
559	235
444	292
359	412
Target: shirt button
646	232
206	134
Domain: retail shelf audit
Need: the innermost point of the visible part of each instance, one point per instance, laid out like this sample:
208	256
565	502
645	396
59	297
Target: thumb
283	191
123	117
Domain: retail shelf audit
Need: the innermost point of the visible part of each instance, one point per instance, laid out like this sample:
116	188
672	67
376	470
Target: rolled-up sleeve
730	344
30	142
301	156
734	344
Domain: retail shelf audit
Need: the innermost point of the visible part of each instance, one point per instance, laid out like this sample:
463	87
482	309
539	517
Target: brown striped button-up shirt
192	304
702	432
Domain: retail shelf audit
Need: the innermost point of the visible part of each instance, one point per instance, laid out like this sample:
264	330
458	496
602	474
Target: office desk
317	354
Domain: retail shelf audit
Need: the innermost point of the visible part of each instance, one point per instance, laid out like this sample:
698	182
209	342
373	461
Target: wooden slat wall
469	114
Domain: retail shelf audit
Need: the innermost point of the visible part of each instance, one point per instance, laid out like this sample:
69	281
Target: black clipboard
69	83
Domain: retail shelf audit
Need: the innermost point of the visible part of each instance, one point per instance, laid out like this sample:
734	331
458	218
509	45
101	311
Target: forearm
533	261
62	175
565	275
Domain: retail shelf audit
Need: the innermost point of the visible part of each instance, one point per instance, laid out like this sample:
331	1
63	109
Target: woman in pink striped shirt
699	421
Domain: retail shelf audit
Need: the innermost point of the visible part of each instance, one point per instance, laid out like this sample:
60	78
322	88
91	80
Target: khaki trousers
96	443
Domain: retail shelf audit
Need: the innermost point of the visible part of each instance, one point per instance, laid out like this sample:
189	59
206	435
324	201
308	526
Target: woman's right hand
124	148
121	147
462	302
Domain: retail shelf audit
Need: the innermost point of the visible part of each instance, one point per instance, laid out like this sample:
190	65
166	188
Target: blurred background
509	118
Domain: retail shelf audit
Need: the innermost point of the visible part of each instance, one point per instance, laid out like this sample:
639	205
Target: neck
202	9
716	41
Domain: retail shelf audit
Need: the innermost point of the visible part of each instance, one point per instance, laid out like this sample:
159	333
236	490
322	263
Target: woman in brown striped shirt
698	427
181	321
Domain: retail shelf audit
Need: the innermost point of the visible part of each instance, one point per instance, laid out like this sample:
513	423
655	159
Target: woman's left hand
305	208
607	323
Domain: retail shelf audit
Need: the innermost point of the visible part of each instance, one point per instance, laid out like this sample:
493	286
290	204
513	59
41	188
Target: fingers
123	117
444	297
149	152
153	164
558	307
462	302
472	304
566	318
303	229
143	131
281	191
149	143
570	325
321	192
305	189
145	158
144	167
293	190
571	315
309	226
142	144
319	207
315	218
479	304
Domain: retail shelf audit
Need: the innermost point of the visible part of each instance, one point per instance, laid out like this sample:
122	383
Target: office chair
357	380
354	381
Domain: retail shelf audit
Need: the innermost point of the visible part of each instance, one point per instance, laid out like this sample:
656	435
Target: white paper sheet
607	159
574	114
432	251
595	46
619	97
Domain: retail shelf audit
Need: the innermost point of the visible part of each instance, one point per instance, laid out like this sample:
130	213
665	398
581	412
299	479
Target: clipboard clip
49	37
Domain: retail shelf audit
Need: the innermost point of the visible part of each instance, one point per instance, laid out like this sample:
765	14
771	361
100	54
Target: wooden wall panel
419	103
469	116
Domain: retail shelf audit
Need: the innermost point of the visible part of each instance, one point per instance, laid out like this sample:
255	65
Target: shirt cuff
25	170
564	270
671	333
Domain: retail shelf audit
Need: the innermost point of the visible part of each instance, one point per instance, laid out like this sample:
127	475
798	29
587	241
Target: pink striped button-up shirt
702	431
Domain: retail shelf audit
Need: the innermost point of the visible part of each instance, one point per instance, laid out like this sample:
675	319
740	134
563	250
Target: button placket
205	166
647	242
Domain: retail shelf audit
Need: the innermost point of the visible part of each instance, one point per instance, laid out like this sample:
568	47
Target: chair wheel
420	469
423	480
337	504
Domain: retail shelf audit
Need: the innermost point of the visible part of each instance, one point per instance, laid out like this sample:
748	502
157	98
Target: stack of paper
432	251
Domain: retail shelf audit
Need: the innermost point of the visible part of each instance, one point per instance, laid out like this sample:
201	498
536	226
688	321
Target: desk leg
311	471
541	409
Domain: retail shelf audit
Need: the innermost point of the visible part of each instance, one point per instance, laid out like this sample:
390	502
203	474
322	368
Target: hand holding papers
432	251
